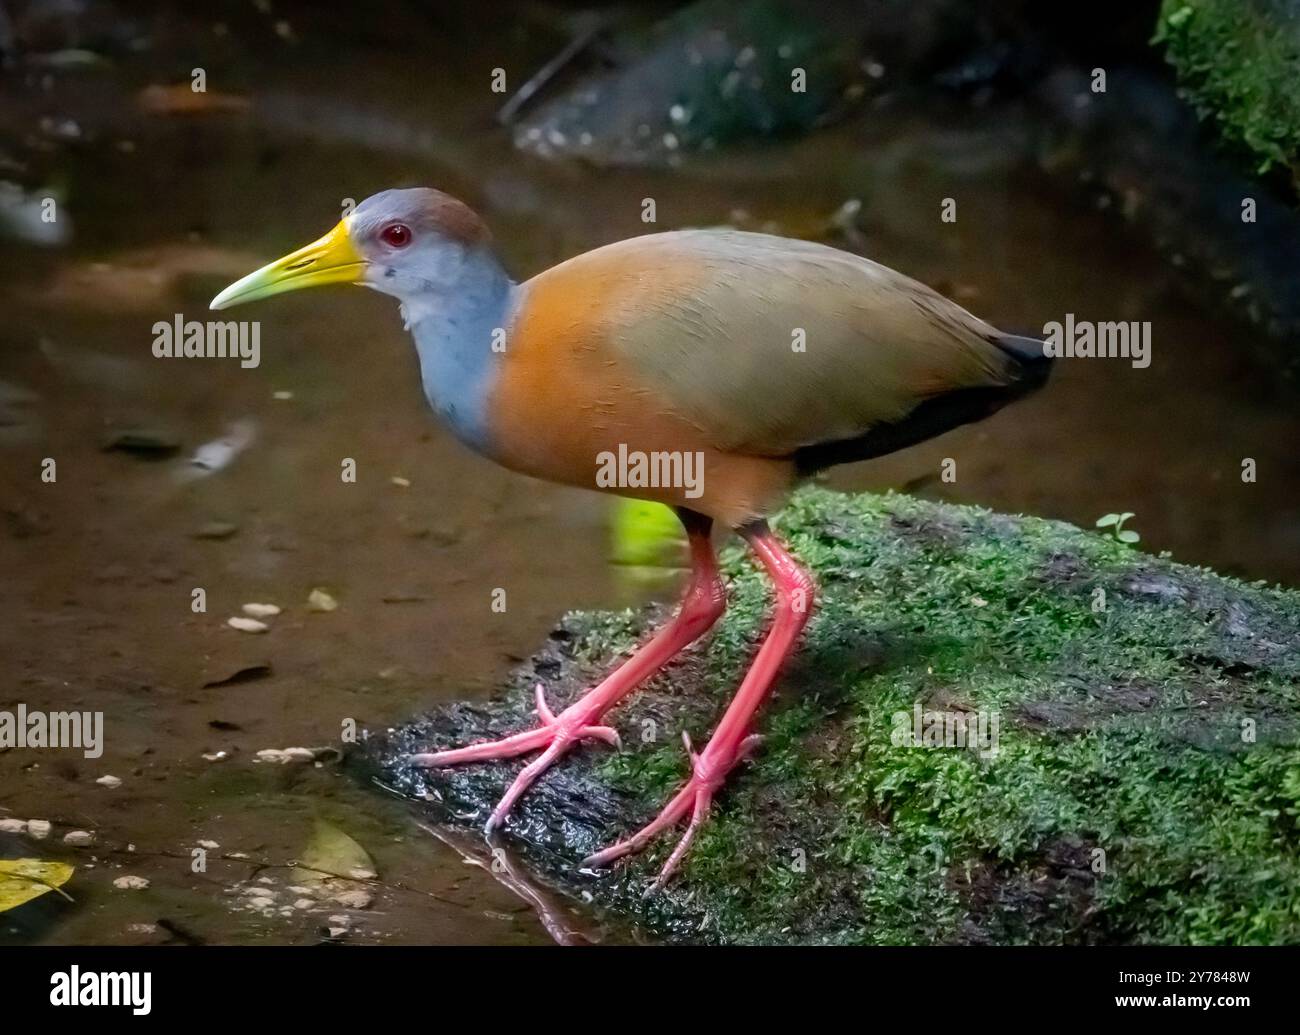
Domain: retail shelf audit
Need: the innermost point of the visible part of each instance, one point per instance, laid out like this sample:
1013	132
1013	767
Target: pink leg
705	600
731	741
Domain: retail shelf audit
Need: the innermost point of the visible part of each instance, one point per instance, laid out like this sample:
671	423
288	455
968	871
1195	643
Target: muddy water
99	567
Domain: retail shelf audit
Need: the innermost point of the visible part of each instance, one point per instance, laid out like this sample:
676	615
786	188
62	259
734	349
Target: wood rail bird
725	366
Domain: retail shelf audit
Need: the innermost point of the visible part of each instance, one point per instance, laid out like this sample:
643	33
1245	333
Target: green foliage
1115	522
1237	61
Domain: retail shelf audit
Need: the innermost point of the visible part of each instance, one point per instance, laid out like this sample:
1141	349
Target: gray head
420	245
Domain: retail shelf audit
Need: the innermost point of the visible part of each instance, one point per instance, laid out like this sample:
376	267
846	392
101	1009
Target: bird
711	370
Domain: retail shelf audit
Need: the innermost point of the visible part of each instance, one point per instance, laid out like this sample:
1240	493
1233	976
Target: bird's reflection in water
491	854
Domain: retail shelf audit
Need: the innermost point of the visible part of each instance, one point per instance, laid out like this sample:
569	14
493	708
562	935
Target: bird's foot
709	770
555	735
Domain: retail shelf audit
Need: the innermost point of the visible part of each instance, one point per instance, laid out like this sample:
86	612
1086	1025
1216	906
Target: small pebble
319	600
109	781
261	610
248	625
304	903
285	756
209	845
78	838
354	899
131	883
13	826
38	828
215	530
215	756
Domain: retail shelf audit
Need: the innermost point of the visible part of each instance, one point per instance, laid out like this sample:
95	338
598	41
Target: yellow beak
331	260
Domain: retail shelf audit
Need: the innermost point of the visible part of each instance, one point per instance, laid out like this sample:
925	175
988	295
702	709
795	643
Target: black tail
942	413
1033	364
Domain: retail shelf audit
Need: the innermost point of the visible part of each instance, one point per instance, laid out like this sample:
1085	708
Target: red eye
396	235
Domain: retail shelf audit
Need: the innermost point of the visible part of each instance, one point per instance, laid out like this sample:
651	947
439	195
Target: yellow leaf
22	880
331	852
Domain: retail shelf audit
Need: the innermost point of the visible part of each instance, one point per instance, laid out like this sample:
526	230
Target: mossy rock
1238	61
1145	786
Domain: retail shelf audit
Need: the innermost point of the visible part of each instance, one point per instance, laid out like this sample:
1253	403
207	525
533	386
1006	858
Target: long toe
671	814
489	751
524	780
555	736
703	799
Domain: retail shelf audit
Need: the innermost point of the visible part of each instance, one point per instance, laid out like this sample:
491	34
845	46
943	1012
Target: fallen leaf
22	880
331	852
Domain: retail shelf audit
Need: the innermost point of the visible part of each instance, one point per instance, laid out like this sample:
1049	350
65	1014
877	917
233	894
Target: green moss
1238	61
1124	802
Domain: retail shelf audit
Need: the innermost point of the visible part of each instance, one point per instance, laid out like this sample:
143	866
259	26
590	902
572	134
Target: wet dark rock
1064	569
1156	585
712	74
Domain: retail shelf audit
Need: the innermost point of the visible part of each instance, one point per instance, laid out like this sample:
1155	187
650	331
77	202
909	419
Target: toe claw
599	860
749	745
606	733
543	709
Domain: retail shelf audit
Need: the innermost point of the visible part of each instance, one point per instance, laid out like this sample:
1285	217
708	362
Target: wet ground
99	567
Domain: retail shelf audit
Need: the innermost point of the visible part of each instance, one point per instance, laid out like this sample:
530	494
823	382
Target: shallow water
99	567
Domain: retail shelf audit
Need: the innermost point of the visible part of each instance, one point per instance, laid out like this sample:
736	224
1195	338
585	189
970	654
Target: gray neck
455	330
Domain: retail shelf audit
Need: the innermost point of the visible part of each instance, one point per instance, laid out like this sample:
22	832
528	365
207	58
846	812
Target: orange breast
567	408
